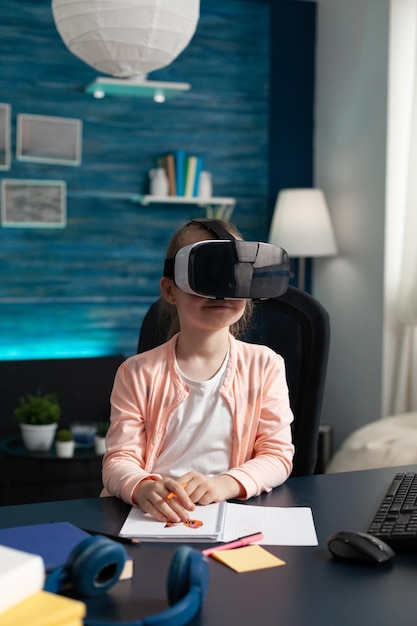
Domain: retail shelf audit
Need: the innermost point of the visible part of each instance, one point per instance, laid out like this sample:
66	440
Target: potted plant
38	415
64	443
100	438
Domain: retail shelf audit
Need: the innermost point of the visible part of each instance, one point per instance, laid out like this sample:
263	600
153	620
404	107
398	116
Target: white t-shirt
199	434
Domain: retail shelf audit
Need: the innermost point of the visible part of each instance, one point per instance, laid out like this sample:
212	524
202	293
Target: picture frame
48	139
5	133
33	203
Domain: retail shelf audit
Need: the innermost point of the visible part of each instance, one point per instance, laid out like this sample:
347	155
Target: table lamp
301	225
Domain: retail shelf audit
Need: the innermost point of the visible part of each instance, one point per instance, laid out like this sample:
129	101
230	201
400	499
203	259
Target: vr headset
228	268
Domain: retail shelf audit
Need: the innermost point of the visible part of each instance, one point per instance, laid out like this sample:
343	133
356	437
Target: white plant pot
38	438
65	449
99	445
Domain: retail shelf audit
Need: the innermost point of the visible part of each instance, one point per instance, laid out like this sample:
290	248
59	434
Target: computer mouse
362	548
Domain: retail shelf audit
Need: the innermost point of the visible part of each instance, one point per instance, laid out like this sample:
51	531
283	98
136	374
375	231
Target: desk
311	590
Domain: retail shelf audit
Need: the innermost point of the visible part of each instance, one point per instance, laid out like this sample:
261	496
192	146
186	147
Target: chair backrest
296	326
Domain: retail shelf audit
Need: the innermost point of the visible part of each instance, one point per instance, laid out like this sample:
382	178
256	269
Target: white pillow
388	442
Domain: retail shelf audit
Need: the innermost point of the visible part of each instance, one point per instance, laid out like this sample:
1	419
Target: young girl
203	417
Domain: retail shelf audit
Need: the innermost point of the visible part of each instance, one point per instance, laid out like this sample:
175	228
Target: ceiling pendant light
126	38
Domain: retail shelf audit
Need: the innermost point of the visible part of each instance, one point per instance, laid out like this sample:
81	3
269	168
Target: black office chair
296	326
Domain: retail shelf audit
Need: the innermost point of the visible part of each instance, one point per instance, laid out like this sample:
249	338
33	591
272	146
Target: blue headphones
96	563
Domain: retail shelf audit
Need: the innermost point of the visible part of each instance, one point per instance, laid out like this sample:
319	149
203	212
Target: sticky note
247	559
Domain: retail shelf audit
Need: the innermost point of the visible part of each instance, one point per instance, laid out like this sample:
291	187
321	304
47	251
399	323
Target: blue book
198	170
180	162
52	541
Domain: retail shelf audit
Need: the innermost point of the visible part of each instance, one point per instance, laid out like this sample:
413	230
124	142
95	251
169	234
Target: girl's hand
154	497
204	490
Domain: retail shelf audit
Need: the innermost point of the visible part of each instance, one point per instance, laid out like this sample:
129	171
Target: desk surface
310	590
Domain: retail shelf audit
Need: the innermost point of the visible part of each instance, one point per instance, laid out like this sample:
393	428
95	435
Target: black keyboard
395	522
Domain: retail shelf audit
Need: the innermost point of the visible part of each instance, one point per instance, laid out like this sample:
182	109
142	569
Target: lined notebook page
281	526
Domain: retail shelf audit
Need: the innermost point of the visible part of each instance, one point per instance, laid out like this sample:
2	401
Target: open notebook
225	521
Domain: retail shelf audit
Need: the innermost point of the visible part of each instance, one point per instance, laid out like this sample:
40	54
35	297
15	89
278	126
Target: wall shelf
159	91
215	207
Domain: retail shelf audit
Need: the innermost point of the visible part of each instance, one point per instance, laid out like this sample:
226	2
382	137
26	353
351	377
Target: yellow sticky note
248	558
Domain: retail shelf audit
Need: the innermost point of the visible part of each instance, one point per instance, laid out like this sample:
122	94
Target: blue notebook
52	541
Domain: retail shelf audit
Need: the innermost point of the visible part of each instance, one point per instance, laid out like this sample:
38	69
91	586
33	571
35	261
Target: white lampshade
301	224
126	38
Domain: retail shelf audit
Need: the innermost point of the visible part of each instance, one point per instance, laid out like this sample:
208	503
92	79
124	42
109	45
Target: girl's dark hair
192	233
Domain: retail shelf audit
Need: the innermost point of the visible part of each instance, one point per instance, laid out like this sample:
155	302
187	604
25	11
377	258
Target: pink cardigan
147	390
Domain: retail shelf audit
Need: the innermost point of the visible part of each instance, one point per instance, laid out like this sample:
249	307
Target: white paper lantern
126	38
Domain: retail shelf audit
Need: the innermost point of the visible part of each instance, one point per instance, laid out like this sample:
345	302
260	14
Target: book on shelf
180	165
198	170
226	521
194	167
190	175
169	163
183	173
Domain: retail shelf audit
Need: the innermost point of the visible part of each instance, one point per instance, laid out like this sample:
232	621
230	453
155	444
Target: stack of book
23	600
183	172
27	555
45	609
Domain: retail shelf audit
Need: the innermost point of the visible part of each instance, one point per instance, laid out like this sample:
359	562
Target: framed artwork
5	136
45	139
33	203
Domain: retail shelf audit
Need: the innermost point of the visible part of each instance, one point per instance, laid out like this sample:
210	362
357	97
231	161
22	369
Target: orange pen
172	494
